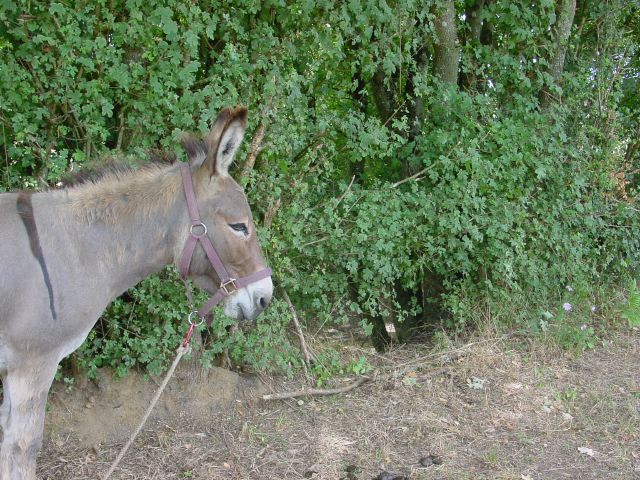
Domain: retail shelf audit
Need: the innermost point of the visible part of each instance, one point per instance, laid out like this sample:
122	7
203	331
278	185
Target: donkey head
224	209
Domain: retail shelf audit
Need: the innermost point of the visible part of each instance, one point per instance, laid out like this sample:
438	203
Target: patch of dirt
108	409
487	409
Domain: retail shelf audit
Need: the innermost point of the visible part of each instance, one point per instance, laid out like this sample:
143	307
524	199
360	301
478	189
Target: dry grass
532	409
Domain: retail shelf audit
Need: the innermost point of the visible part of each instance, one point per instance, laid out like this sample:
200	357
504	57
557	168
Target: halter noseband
198	233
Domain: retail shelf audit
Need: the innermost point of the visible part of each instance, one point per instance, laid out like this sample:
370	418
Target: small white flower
569	288
593	309
583	327
567	307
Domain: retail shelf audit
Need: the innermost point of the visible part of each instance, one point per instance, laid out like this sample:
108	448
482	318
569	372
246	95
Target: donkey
67	254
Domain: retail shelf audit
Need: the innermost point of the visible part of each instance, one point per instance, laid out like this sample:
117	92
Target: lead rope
182	349
185	260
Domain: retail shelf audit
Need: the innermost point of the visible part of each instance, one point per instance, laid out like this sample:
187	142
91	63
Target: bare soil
485	409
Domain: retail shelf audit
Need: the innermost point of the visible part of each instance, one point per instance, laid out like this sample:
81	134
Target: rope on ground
179	353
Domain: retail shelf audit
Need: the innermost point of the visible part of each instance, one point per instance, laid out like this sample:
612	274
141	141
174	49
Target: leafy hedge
381	190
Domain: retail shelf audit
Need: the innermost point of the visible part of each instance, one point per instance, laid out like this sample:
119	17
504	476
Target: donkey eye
240	227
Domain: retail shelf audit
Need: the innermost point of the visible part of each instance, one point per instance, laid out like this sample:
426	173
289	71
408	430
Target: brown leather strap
228	285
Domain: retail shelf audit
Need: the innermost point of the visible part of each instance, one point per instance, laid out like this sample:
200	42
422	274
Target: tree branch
303	344
344	194
414	176
254	148
310	392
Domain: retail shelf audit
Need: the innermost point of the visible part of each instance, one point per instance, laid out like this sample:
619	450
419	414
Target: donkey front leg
25	396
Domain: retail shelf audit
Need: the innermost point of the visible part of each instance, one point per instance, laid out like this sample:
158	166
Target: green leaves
631	311
140	329
164	16
372	176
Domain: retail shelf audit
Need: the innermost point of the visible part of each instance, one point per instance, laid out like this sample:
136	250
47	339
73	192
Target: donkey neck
132	224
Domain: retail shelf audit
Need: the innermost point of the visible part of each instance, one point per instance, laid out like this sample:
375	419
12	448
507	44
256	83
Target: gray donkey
67	254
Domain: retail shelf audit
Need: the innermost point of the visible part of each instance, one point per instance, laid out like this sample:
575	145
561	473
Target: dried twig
256	142
414	176
271	213
313	242
303	344
121	119
344	194
179	353
309	392
315	141
254	149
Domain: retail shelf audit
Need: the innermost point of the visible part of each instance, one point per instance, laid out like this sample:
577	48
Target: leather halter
198	234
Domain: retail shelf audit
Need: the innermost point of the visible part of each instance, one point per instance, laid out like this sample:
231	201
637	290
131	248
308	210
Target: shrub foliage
420	157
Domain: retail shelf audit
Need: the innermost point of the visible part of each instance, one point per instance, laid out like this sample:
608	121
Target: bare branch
346	191
121	118
303	344
310	392
271	213
313	242
414	176
254	148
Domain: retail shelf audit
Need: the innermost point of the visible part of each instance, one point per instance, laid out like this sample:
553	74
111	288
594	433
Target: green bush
384	191
140	329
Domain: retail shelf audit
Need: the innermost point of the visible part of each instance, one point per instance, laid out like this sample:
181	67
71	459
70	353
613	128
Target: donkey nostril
263	302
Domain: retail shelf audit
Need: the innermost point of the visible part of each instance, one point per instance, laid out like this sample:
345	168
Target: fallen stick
310	392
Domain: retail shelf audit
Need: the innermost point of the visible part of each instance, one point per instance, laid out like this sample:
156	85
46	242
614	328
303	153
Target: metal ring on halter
190	319
224	286
199	224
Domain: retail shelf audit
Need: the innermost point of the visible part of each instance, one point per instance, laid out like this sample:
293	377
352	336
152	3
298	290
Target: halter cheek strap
198	234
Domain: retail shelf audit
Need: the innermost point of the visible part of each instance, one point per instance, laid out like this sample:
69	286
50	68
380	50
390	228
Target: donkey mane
120	166
118	188
123	194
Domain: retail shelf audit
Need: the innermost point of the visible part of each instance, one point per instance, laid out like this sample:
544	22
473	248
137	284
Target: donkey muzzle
249	302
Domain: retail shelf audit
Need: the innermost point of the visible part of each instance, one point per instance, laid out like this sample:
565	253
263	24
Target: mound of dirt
108	409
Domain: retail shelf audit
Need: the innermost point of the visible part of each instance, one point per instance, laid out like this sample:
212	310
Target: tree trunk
381	95
566	10
358	94
447	49
473	16
415	102
360	103
631	151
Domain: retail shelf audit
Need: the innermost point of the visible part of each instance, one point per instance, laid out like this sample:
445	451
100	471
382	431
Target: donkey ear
224	139
196	150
